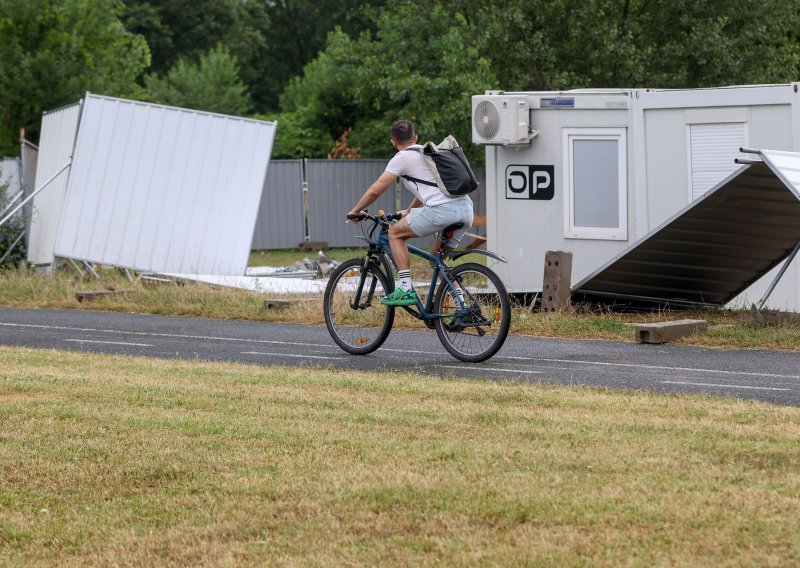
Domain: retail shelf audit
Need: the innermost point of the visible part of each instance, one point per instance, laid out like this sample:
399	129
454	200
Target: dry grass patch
201	300
131	461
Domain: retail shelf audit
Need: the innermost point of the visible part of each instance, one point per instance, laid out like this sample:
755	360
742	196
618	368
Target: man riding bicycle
429	212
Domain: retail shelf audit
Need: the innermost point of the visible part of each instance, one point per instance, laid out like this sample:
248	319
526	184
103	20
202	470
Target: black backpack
452	171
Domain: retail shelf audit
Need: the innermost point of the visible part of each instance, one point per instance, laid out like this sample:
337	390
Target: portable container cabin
593	171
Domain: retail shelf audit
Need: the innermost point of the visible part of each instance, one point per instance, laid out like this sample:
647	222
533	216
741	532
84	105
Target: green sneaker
400	297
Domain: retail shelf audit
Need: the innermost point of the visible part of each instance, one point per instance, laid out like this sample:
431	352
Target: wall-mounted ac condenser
500	119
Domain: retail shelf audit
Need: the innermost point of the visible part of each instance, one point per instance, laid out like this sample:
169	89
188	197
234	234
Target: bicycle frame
440	268
474	304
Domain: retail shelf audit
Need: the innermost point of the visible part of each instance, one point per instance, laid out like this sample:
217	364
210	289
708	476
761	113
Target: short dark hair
403	131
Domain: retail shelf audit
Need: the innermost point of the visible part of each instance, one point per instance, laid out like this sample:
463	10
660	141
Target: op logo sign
530	182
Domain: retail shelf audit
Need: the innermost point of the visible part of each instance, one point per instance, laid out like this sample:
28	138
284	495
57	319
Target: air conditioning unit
501	119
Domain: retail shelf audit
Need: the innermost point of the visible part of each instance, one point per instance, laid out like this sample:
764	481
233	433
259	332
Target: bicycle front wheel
476	333
355	318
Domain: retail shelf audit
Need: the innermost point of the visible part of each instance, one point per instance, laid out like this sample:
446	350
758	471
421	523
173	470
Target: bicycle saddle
450	229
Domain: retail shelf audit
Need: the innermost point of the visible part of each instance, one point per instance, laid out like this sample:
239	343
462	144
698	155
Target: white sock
405	279
458	295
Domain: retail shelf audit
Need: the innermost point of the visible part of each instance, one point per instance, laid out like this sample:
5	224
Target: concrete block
557	281
662	332
151	282
313	245
277	304
93	295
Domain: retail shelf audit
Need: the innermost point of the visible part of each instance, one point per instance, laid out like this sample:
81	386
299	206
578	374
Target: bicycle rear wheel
477	333
363	327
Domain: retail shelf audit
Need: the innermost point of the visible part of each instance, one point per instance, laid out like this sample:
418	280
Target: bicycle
471	325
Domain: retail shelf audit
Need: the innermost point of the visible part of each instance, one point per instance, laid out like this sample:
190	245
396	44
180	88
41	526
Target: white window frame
571	231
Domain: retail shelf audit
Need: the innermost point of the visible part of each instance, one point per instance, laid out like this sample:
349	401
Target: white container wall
529	197
672	146
56	144
689	139
163	189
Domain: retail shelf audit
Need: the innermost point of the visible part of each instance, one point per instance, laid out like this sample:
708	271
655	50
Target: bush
9	232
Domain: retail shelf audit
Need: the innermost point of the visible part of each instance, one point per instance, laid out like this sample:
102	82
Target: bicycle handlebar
381	218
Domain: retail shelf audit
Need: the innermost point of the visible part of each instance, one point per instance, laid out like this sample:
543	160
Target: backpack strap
427	150
422	181
417	180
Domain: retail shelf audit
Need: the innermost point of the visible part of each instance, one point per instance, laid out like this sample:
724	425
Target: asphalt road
772	376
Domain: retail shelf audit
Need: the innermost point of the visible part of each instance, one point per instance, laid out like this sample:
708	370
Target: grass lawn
132	461
287	257
727	330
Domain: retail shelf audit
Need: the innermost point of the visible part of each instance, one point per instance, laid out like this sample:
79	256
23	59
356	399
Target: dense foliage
53	51
326	67
9	235
424	72
213	84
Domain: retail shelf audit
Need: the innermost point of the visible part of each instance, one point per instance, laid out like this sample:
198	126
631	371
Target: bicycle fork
356	303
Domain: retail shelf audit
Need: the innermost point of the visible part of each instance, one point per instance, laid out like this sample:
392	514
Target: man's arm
381	184
416	202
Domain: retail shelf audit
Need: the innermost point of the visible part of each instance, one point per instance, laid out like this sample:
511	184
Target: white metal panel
9	177
786	296
56	144
716	97
712	151
712	250
29	156
786	166
164	189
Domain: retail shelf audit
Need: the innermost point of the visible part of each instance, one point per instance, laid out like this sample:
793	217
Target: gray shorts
425	220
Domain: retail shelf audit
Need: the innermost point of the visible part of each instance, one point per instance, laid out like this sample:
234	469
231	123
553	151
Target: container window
596	192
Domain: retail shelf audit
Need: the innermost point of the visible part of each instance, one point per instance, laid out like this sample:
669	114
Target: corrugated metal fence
333	186
281	220
56	146
144	194
29	155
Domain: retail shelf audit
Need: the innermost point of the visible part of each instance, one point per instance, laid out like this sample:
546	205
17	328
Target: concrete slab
87	296
263	284
662	332
278	304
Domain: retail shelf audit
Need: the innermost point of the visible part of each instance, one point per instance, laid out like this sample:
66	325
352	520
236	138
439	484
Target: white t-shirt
412	163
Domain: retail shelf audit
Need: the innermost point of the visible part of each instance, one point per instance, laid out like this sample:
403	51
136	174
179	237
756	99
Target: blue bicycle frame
440	268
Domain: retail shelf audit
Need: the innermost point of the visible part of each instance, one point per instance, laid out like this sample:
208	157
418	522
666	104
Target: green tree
9	233
298	31
424	73
53	51
555	44
213	85
271	39
184	30
425	69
